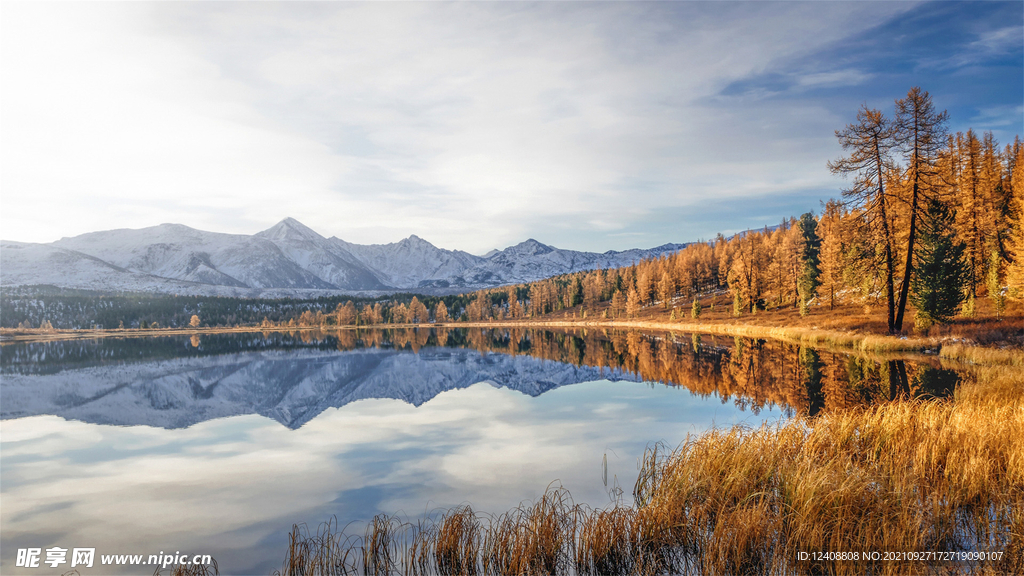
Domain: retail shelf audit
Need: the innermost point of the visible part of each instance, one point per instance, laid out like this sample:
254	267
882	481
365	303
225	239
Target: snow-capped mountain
531	260
323	258
288	259
178	252
411	262
290	386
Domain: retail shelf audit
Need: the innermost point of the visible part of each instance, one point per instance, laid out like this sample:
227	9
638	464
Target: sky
585	125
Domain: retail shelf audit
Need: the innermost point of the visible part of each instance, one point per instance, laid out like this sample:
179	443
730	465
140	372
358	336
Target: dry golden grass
903	476
983	355
531	539
457	542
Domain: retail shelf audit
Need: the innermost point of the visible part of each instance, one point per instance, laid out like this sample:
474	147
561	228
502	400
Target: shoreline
949	348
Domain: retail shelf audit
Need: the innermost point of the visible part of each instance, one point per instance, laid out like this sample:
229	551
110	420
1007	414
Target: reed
532	539
903	476
456	543
381	545
328	552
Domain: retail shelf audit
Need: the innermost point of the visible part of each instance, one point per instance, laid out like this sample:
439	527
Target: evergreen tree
810	248
937	287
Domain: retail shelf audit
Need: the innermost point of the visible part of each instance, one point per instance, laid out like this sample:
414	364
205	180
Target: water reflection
292	377
218	444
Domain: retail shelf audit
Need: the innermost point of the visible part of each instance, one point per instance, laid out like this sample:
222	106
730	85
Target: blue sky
591	126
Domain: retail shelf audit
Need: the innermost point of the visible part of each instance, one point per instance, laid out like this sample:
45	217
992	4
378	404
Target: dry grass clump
904	476
328	552
532	539
606	541
456	543
983	355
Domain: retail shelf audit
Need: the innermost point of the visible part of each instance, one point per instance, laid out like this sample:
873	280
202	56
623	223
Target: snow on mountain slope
27	264
182	253
321	257
287	260
31	264
21	262
532	260
411	262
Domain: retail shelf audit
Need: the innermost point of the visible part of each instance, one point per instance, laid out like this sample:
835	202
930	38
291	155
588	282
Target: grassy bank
896	478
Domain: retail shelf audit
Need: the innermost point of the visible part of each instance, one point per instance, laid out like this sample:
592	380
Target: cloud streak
471	125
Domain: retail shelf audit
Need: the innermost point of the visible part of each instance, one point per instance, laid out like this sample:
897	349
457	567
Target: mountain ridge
288	258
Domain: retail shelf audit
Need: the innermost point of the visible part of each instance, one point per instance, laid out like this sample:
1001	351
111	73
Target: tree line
930	218
48	307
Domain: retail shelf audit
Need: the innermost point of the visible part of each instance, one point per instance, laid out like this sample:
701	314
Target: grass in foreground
905	476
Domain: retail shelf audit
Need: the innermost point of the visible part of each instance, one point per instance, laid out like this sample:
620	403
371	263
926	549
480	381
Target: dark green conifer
937	287
810	267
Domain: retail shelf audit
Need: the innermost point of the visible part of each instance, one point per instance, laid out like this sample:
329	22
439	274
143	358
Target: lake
218	443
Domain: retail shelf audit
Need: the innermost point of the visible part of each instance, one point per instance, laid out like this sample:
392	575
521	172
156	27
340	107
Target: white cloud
462	123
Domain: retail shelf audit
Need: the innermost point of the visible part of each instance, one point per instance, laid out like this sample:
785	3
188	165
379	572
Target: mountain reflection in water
176	443
291	377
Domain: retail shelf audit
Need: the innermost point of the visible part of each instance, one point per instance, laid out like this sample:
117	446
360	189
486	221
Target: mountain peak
290	228
529	247
531	243
417	241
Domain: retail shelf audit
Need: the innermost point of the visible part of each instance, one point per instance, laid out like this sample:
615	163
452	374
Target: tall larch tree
971	212
618	304
666	289
920	132
869	143
633	303
832	251
441	312
514	309
746	278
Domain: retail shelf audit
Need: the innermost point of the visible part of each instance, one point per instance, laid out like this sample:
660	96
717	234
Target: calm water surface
217	444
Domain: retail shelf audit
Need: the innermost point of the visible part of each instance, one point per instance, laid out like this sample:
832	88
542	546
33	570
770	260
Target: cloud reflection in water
233	486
